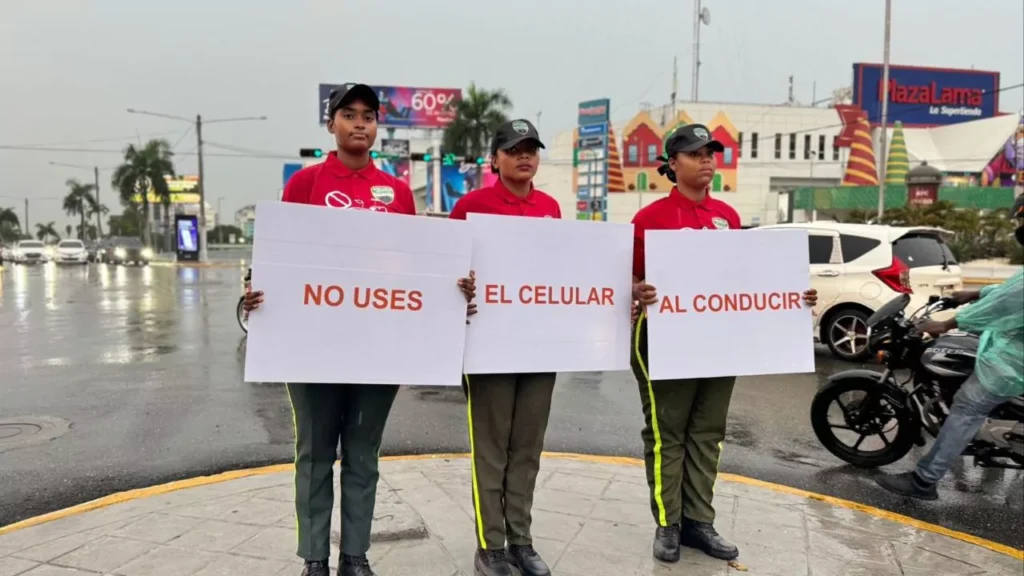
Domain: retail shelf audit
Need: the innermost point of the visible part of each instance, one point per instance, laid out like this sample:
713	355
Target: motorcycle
240	313
899	411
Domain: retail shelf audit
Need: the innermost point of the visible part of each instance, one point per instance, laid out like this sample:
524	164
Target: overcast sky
70	68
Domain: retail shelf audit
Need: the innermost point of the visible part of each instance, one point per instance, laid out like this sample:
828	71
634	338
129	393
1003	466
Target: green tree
143	171
47	231
125	224
80	202
222	233
477	118
10	225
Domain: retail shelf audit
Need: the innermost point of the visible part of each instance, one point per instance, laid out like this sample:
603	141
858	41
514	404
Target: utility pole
198	125
26	218
790	99
539	112
884	128
700	16
203	254
675	87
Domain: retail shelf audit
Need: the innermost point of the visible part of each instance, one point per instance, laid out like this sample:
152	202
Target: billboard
921	97
456	181
394	147
594	111
186	229
405	107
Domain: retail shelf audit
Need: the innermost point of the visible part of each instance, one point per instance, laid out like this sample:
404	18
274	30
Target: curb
241	264
139	493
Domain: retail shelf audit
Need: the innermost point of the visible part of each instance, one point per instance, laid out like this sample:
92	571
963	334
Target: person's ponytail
665	170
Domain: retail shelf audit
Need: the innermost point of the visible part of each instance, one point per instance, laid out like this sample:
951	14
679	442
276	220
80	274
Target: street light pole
884	128
198	125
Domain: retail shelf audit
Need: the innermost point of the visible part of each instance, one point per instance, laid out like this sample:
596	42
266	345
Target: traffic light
311	153
374	154
449	160
422	157
480	160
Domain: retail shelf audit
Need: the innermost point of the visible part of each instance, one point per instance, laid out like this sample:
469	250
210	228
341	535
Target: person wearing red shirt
508	413
352	414
684	420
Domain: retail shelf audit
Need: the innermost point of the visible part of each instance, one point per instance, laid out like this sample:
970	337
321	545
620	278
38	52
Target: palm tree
67	231
10	226
477	118
143	171
79	202
45	231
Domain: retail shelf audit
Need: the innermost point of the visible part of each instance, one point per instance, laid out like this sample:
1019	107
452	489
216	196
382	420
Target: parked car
70	252
856	268
29	252
125	250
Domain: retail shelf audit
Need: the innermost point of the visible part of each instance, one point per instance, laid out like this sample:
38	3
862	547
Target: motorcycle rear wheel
877	399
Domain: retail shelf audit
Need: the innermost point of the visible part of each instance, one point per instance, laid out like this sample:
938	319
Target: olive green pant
326	414
508	416
684	427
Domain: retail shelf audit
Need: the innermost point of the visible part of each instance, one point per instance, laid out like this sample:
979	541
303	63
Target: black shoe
666	543
704	537
354	566
526	559
316	568
908	484
492	563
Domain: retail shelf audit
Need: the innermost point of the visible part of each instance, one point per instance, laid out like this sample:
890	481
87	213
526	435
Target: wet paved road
137	374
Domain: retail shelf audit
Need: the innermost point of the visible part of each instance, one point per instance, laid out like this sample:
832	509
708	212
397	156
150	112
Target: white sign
730	303
553	296
354	296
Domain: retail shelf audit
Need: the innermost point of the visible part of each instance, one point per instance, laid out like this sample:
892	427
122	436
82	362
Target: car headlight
120	252
50	251
147	253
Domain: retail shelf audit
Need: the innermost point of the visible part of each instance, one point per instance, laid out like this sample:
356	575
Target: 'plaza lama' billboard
926	96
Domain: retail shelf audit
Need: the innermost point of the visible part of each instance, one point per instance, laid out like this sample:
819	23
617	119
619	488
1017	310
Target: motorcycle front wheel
868	410
243	322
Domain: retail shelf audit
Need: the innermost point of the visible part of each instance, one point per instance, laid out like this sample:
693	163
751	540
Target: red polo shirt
677	212
332	184
500	200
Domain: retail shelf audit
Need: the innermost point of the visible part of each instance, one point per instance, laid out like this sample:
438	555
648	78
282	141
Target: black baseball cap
1017	210
511	133
691	138
349	93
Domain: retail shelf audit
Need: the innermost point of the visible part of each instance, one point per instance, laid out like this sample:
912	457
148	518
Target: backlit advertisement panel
456	182
404	106
921	97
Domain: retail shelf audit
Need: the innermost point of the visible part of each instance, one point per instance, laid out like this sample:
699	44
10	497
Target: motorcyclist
998	315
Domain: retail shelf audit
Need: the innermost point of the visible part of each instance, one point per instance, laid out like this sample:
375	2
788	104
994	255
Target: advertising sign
591	153
186	229
398	167
758	295
542	308
289	171
921	97
335	311
456	181
394	147
405	107
594	111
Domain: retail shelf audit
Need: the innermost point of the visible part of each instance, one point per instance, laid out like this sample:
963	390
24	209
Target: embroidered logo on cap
520	127
701	133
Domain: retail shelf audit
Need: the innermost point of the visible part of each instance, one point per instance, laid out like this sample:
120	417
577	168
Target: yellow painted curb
151	491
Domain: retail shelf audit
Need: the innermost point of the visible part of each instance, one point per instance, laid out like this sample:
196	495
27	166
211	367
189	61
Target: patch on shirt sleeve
383	194
720	223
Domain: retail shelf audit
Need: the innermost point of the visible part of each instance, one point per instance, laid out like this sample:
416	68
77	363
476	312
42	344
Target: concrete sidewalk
591	518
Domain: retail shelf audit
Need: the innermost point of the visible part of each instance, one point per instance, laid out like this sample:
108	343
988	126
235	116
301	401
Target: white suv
858	267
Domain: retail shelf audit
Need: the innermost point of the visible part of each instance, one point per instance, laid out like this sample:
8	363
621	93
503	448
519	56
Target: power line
98	140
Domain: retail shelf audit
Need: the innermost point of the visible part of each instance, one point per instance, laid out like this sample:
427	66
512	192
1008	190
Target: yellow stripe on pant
658	485
476	486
